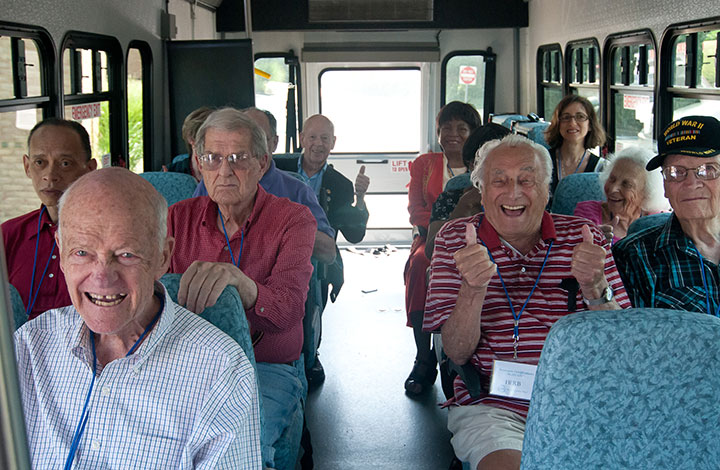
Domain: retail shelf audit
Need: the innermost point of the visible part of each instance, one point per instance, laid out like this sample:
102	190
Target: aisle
360	418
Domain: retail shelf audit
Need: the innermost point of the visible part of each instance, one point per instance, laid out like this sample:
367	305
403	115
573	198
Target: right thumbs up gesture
473	261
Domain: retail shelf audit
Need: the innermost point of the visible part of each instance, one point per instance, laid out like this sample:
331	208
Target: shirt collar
488	234
301	171
78	336
46	224
210	212
673	234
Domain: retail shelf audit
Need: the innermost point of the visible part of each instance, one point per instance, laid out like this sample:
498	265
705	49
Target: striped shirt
548	303
186	398
660	268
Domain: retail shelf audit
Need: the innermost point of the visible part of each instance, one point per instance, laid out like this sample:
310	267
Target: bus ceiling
274	15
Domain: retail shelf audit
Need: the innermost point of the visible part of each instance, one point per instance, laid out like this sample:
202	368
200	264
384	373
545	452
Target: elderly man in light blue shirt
124	377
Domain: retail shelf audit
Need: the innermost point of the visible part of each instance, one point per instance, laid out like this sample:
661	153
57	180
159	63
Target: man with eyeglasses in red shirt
675	265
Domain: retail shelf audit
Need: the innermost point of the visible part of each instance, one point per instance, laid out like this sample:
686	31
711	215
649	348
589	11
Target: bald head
318	140
102	194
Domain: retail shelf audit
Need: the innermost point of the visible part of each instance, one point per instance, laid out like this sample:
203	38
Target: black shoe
316	374
421	378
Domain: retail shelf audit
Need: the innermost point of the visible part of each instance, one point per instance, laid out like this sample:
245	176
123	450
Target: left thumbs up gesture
588	265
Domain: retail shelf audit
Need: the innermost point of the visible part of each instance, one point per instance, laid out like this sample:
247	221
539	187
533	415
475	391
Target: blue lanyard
33	297
80	429
516	316
227	240
559	164
707	291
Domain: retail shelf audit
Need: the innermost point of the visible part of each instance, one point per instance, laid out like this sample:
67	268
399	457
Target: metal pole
248	19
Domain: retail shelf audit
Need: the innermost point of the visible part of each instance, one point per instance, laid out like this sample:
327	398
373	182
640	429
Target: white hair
653	198
513	140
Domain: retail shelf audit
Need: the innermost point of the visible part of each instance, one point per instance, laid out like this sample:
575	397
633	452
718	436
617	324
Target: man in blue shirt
282	184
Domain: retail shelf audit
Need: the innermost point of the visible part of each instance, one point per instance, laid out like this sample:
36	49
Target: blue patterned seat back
173	186
227	314
626	389
18	307
458	182
648	221
575	188
507	120
534	131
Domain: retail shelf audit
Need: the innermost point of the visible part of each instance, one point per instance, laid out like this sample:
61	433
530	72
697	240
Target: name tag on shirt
512	379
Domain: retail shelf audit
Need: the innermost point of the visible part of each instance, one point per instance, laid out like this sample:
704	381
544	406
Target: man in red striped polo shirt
500	279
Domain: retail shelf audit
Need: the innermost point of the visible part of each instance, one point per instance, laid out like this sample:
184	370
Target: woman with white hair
631	193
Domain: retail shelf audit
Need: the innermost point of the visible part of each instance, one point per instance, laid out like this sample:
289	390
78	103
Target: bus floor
360	417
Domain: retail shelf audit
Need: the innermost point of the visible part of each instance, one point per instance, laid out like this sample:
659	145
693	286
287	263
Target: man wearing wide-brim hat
675	265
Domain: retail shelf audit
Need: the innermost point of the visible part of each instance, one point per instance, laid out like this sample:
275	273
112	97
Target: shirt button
225	248
95	444
106	391
54	256
522	270
51	275
262	309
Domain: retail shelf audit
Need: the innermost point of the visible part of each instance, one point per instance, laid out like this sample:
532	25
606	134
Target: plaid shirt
660	268
186	398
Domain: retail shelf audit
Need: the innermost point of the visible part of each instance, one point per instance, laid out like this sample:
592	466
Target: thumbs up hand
473	261
588	265
362	183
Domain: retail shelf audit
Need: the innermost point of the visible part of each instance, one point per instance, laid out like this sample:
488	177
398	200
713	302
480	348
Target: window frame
490	59
571	86
147	97
115	96
540	79
667	91
609	88
49	101
292	130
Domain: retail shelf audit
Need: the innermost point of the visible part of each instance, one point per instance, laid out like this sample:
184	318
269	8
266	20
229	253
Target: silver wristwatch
606	296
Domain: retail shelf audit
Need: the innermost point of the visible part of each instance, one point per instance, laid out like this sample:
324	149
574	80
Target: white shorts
479	430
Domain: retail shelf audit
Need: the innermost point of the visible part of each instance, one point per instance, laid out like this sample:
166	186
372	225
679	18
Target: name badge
512	379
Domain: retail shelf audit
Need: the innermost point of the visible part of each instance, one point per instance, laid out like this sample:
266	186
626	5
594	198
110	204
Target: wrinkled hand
588	266
470	203
362	182
203	282
473	261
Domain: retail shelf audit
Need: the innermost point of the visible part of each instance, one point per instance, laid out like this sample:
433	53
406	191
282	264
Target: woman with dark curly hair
573	131
428	175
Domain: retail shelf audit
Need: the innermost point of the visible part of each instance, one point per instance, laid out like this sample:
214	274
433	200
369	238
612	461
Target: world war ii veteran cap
695	136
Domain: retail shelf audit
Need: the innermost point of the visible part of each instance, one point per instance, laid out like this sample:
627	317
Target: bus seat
285	156
173	186
508	119
632	388
18	307
534	131
648	221
575	188
458	182
236	326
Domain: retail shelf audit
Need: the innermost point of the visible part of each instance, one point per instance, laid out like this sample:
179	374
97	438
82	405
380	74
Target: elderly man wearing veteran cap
675	265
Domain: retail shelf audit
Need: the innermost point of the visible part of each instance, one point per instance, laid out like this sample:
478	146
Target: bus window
277	88
630	71
26	64
373	109
138	99
467	76
91	63
549	79
583	70
692	82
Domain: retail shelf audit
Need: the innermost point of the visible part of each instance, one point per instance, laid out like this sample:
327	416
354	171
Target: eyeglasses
213	161
579	117
706	171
